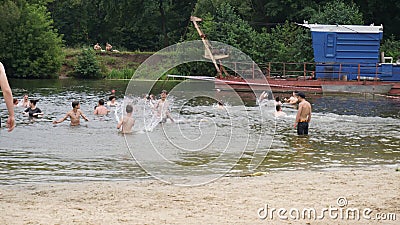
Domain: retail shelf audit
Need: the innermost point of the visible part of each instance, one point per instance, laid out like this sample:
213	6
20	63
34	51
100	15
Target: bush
87	65
31	47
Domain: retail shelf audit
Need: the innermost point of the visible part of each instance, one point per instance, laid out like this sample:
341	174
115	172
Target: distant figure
112	101
162	108
263	96
15	102
127	122
8	98
33	111
278	101
97	47
101	109
279	112
24	102
75	115
220	105
293	99
303	116
108	47
398	60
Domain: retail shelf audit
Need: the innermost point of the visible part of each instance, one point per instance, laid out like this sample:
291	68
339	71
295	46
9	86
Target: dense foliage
265	30
31	47
87	65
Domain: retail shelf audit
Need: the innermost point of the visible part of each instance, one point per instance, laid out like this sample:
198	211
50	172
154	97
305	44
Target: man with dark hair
75	115
303	116
101	109
127	122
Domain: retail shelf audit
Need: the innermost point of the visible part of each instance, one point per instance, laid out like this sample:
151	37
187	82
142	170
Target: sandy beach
229	200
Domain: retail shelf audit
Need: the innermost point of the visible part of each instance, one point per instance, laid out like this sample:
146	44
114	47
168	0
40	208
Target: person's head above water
112	97
75	104
101	102
129	109
301	95
33	102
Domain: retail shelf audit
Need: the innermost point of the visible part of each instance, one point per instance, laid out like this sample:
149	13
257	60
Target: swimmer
112	101
33	111
15	102
75	115
279	112
162	107
101	109
127	122
24	102
293	99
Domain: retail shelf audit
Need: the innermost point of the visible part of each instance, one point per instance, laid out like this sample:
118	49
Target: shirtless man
293	99
101	109
162	108
74	115
108	47
127	122
97	47
8	98
303	116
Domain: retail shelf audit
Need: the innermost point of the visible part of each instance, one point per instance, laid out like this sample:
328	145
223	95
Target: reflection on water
346	131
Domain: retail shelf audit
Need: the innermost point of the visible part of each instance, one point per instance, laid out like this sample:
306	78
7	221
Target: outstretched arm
7	93
62	119
83	116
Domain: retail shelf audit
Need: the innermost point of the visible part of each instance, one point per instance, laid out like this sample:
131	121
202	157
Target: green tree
391	47
31	47
338	12
87	66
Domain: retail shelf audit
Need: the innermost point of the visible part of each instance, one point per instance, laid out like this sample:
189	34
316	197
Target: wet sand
229	200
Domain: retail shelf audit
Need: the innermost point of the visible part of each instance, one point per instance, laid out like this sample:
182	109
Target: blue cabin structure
350	52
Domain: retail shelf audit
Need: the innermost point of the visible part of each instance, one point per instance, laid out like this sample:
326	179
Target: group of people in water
160	107
125	123
303	116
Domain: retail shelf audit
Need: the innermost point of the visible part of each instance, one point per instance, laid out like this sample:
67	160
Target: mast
205	42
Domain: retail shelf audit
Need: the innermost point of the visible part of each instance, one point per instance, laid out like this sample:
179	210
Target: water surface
346	131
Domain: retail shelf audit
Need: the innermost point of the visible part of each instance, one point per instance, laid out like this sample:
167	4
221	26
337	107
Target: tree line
34	32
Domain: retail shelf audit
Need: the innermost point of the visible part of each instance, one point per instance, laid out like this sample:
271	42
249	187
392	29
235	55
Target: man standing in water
75	115
303	116
8	98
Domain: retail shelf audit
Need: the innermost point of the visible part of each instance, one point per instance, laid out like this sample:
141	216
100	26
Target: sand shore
229	200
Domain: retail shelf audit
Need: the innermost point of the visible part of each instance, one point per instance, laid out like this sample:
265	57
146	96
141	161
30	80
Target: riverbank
230	200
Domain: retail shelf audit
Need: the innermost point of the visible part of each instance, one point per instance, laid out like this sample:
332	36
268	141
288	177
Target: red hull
286	85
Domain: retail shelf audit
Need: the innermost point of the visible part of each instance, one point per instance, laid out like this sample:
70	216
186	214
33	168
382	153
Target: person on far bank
8	98
75	114
303	116
108	47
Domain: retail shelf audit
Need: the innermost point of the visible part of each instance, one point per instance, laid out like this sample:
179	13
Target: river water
347	131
